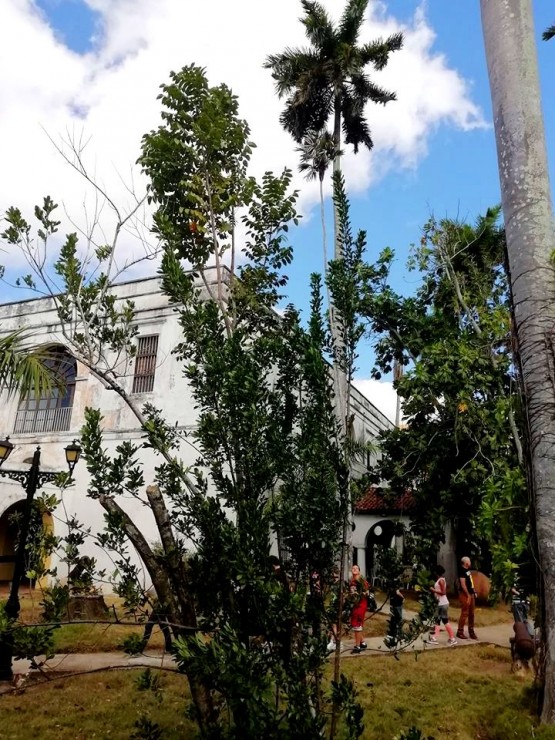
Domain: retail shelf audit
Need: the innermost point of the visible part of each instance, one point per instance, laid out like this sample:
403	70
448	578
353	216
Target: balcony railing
42	421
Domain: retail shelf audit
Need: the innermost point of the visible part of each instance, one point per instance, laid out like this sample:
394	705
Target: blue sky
97	72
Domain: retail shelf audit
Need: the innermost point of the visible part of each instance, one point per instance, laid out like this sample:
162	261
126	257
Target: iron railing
41	421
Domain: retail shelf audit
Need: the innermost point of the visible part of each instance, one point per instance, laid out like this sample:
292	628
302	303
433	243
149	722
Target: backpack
524	644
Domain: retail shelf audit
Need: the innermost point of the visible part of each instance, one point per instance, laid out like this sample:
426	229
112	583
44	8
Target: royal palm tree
24	369
328	79
317	153
549	33
508	30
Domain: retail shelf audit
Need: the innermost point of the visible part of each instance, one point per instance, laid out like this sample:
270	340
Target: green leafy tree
248	369
460	448
271	460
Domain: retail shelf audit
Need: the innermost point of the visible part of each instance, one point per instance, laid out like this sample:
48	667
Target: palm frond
351	21
318	26
355	128
361	90
310	78
304	114
291	67
377	52
317	152
24	369
549	33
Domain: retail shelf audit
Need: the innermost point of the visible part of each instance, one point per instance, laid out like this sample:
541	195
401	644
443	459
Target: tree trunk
206	712
336	168
340	381
324	232
512	66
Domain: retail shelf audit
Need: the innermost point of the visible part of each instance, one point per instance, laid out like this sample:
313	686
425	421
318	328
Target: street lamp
31	480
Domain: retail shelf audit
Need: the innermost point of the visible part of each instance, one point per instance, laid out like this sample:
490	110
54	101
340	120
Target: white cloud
110	93
380	393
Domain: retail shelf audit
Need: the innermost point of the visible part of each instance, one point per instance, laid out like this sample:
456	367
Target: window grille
52	411
145	364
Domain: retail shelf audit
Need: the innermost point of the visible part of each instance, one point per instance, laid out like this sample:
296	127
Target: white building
55	420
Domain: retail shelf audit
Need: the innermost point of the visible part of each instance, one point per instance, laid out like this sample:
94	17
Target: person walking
439	589
358	593
467	596
395	627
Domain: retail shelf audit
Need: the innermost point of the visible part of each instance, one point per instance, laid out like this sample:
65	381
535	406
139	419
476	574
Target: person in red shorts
358	593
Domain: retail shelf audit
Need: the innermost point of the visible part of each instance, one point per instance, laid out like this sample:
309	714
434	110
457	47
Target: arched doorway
9	530
382	534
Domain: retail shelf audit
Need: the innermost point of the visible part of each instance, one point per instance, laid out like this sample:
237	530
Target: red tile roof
380	500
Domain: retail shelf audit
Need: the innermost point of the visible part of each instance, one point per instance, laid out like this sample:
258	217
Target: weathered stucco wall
171	394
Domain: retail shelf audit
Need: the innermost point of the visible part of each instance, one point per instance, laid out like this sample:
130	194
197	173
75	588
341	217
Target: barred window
51	412
145	364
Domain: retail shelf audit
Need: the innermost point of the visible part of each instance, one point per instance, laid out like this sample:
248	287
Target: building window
145	364
51	412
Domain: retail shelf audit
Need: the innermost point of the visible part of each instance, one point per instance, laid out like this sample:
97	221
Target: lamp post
31	480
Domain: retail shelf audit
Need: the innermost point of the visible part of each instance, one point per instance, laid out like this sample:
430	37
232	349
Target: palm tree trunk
336	168
512	66
340	382
324	231
341	390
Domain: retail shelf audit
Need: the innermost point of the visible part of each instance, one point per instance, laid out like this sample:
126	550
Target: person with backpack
358	596
395	628
439	589
467	597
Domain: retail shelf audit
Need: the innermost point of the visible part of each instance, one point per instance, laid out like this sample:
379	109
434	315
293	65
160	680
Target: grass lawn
465	693
89	638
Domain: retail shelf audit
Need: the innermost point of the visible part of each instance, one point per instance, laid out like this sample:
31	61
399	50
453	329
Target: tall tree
328	80
508	31
317	153
267	438
460	450
549	33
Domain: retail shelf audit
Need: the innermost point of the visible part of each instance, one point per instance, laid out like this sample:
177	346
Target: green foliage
266	434
94	322
29	642
330	75
26	642
460	450
55	600
23	368
146	729
196	161
132	644
345	696
413	733
149	681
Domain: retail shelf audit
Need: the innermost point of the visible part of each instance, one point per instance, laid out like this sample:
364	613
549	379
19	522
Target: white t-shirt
441	586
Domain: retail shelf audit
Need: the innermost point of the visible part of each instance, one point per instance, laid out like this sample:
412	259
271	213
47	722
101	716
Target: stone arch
382	533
